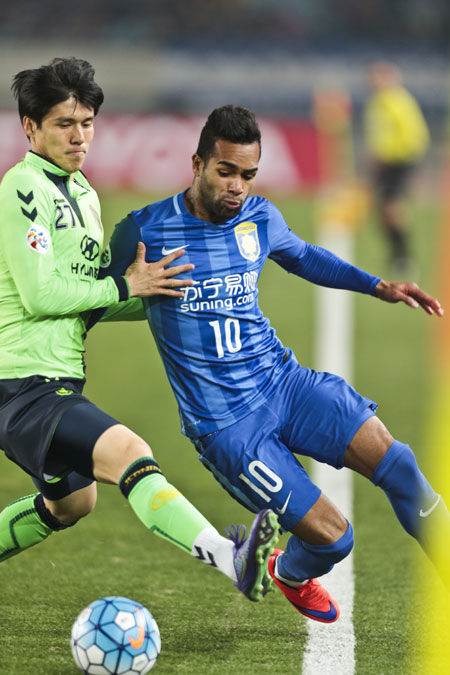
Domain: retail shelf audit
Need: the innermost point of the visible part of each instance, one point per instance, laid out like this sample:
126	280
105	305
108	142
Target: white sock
288	582
215	550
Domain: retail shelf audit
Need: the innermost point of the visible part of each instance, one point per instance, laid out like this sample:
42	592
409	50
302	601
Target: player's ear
29	126
197	164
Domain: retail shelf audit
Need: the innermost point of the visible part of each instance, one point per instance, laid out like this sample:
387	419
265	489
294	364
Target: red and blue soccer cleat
310	599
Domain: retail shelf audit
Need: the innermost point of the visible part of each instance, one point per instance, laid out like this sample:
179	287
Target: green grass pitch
206	625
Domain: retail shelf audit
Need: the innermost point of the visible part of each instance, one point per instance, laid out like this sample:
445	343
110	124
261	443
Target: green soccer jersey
51	240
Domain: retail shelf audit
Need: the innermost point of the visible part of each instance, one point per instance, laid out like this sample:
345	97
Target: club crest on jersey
247	240
38	238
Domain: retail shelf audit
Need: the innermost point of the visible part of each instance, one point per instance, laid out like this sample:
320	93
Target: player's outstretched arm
410	294
145	279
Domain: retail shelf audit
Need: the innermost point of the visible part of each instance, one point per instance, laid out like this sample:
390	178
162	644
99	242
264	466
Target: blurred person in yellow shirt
397	138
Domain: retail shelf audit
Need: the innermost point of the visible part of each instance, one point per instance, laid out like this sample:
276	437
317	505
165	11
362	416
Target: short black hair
229	123
39	89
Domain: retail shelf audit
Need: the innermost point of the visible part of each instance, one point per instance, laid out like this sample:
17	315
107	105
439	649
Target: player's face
223	184
64	135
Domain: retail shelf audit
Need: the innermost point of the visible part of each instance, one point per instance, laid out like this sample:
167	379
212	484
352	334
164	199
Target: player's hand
145	279
410	294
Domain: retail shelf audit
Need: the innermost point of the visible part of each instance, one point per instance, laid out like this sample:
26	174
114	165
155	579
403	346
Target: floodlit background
173	56
163	65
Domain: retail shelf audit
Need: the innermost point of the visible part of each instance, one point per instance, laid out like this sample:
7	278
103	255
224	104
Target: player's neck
193	205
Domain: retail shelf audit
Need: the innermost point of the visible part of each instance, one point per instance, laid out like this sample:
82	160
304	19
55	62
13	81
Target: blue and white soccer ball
115	636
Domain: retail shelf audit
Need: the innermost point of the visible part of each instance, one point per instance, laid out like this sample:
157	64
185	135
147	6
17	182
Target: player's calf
420	510
302	561
405	486
26	522
114	451
70	508
167	513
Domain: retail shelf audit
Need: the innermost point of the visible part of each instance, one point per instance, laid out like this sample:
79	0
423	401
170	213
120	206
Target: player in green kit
51	239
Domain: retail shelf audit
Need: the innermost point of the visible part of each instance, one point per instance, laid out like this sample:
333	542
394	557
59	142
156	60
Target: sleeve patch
38	238
31	215
105	259
26	198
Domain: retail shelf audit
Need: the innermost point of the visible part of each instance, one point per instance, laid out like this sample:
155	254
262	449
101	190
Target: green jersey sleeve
131	310
51	237
27	238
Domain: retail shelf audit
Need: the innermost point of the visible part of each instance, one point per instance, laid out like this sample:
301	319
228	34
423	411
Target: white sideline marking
330	649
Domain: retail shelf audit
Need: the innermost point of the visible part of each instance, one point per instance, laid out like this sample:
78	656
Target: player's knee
69	511
338	531
344	545
115	451
337	550
137	448
69	516
133	450
406	459
399	461
323	525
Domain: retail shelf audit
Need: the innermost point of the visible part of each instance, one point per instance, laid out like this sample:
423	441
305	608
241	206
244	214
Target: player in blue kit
245	402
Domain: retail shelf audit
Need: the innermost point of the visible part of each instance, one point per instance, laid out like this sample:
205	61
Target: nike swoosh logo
166	251
325	617
138	641
284	507
424	514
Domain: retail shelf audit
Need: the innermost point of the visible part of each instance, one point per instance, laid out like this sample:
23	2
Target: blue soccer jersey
221	355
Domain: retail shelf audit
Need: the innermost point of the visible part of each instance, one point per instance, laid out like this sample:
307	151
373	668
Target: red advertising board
153	152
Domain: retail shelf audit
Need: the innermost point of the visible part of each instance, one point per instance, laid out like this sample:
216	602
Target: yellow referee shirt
395	128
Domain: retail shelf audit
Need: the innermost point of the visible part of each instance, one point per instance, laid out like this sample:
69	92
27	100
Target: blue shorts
310	413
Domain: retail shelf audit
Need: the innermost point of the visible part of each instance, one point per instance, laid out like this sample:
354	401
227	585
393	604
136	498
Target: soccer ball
115	636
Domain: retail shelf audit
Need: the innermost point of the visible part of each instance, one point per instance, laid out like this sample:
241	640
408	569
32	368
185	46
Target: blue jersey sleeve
121	250
119	254
314	263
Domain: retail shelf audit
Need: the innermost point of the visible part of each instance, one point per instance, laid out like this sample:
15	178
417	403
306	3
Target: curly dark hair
229	123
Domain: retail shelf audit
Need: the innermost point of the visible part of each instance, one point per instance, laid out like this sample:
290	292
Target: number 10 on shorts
265	477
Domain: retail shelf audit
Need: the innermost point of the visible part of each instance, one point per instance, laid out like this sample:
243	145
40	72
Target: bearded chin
227	213
216	209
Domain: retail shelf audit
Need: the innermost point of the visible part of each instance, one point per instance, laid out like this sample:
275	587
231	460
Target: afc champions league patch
38	238
247	240
105	258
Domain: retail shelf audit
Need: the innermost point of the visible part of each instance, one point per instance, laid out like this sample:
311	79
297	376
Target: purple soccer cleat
251	554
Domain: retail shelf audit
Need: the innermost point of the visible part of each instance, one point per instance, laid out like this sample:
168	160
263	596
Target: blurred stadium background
177	57
164	64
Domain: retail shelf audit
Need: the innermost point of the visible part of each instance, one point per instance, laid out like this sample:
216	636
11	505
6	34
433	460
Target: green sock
160	506
21	526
